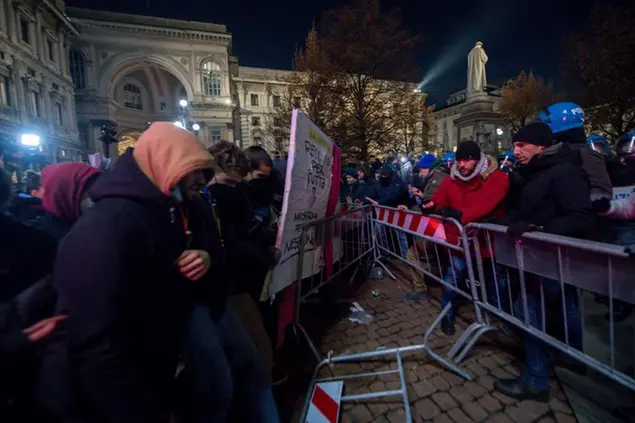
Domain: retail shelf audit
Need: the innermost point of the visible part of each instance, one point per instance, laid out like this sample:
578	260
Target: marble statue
476	60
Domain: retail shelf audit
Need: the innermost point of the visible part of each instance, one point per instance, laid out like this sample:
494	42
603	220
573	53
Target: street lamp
499	132
183	102
196	127
30	140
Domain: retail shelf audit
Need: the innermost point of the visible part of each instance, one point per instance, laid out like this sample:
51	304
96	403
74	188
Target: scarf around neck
480	168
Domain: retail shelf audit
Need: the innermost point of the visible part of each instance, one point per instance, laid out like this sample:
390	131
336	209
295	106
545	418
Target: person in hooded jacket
475	191
551	193
64	194
221	358
123	279
390	190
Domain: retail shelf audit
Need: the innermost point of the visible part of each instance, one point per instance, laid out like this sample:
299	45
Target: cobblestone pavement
435	394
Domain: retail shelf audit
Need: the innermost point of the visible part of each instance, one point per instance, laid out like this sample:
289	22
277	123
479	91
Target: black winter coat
127	305
246	240
205	221
552	191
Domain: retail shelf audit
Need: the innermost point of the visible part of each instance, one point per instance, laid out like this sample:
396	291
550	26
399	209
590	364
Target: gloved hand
450	212
601	206
517	229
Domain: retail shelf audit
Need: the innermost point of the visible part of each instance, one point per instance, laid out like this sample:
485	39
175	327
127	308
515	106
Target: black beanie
468	150
537	133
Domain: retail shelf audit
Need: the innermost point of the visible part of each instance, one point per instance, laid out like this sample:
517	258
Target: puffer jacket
478	199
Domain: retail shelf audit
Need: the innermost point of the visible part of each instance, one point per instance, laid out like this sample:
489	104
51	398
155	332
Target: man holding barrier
549	193
474	192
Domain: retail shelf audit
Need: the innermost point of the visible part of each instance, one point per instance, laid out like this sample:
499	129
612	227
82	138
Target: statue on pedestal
476	60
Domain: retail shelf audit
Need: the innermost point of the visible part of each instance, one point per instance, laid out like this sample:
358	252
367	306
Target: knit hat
537	133
426	161
468	150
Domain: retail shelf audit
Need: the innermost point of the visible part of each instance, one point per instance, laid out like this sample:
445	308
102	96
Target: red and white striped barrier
413	222
325	403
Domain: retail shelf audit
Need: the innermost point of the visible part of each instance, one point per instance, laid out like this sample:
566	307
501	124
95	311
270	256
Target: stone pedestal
479	121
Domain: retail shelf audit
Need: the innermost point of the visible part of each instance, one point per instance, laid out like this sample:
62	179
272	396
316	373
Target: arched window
132	96
211	79
78	69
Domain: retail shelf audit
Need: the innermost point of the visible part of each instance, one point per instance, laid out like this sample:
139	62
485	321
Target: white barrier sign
306	196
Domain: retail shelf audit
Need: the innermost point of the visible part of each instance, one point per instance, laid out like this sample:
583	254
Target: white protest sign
306	195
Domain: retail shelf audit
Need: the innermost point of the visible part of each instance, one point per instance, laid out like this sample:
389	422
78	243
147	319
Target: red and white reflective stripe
325	403
412	221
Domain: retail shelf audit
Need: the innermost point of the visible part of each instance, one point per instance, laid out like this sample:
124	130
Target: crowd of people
555	180
132	294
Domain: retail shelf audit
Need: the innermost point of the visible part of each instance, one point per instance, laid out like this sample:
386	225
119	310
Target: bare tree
310	88
410	116
369	55
523	97
600	67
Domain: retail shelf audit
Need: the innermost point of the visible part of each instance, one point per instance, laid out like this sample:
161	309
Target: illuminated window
211	79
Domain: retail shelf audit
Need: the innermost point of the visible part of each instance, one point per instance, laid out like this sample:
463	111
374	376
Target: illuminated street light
499	131
404	159
196	126
183	103
179	124
30	140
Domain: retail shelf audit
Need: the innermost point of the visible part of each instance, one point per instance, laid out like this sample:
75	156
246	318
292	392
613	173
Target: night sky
516	35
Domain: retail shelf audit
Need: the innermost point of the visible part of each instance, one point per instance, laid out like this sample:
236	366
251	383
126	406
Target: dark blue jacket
114	359
358	192
394	194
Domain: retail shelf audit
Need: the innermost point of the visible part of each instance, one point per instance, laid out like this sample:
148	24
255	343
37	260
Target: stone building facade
469	118
37	105
130	70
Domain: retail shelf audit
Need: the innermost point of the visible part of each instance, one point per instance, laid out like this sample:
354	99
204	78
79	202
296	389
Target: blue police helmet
598	143
448	157
625	145
562	116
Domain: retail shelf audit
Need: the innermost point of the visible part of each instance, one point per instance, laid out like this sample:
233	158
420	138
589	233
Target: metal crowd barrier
529	282
546	278
328	248
395	235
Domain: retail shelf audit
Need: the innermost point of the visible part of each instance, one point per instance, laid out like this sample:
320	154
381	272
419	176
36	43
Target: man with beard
474	192
551	194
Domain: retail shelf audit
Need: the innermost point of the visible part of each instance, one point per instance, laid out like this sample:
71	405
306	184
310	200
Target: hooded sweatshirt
64	186
478	196
118	283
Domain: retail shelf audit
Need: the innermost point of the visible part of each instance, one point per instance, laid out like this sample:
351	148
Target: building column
11	21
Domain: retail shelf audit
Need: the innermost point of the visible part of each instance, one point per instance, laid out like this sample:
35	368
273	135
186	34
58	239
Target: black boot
447	326
515	388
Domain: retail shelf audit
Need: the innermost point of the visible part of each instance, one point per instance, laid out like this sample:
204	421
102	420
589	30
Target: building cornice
149	25
61	16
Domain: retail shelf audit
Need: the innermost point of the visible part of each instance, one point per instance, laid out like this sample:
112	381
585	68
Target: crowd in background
556	180
132	294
